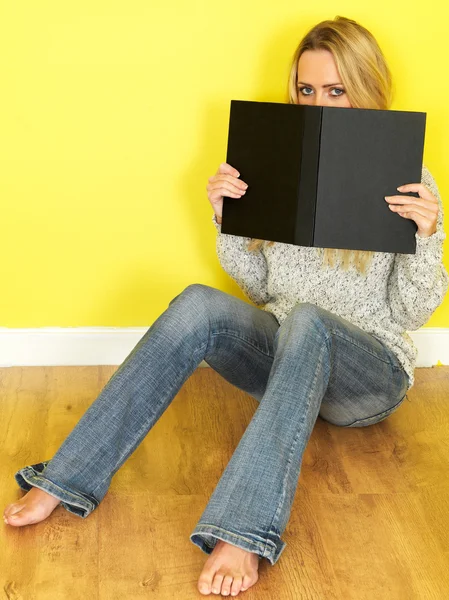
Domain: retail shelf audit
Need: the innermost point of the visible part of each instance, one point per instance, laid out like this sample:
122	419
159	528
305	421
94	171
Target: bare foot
228	570
35	506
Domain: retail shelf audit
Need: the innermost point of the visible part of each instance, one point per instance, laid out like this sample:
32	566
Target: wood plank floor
370	518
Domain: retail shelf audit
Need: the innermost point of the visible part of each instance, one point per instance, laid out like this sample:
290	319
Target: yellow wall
113	116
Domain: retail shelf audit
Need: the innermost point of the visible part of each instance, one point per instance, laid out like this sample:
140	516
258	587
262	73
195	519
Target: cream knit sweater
398	293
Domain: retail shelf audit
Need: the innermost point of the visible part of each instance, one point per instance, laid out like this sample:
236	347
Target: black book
317	175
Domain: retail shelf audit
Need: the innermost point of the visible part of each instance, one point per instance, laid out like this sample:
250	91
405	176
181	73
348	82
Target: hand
224	183
422	210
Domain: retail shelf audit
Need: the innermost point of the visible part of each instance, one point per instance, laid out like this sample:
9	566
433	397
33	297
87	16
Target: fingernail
400	187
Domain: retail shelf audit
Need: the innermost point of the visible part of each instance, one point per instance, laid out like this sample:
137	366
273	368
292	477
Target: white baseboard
55	346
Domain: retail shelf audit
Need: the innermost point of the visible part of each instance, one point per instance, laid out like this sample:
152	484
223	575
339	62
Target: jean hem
30	476
206	536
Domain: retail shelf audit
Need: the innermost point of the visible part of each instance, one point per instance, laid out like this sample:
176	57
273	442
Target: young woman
326	338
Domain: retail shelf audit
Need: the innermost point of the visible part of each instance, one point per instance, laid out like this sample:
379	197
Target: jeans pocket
385	413
377	418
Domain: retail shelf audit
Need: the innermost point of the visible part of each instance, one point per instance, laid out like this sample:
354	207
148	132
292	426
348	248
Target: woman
327	338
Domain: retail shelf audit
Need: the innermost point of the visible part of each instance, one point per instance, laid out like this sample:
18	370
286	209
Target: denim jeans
313	364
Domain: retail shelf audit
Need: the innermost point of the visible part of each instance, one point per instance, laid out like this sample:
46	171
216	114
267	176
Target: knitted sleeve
249	269
418	282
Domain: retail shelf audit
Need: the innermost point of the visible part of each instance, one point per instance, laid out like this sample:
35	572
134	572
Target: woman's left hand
422	210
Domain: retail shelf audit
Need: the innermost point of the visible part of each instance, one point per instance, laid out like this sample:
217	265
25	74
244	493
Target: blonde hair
368	84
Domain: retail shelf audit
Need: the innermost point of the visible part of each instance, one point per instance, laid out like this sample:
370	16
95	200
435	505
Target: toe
247	582
13	510
205	582
216	584
204	587
23	516
10	509
236	586
226	585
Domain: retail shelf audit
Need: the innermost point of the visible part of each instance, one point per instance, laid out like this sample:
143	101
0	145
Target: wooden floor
370	518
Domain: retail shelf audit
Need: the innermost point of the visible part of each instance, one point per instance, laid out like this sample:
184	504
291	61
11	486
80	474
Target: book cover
318	175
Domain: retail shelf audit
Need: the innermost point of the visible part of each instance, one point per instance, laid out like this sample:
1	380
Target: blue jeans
314	364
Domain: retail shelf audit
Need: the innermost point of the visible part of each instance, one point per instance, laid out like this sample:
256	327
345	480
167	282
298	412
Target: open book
317	176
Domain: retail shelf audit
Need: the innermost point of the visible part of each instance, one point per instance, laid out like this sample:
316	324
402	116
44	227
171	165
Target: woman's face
318	81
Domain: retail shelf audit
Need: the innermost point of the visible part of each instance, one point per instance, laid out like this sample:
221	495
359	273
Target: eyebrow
324	86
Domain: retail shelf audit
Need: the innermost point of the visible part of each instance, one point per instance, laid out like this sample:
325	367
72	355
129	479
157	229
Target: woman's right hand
224	183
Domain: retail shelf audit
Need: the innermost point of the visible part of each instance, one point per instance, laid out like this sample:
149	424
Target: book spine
308	176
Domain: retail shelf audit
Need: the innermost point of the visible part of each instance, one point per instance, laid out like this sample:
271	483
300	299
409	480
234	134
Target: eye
304	93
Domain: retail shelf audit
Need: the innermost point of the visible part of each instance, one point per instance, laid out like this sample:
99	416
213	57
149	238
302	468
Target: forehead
317	66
